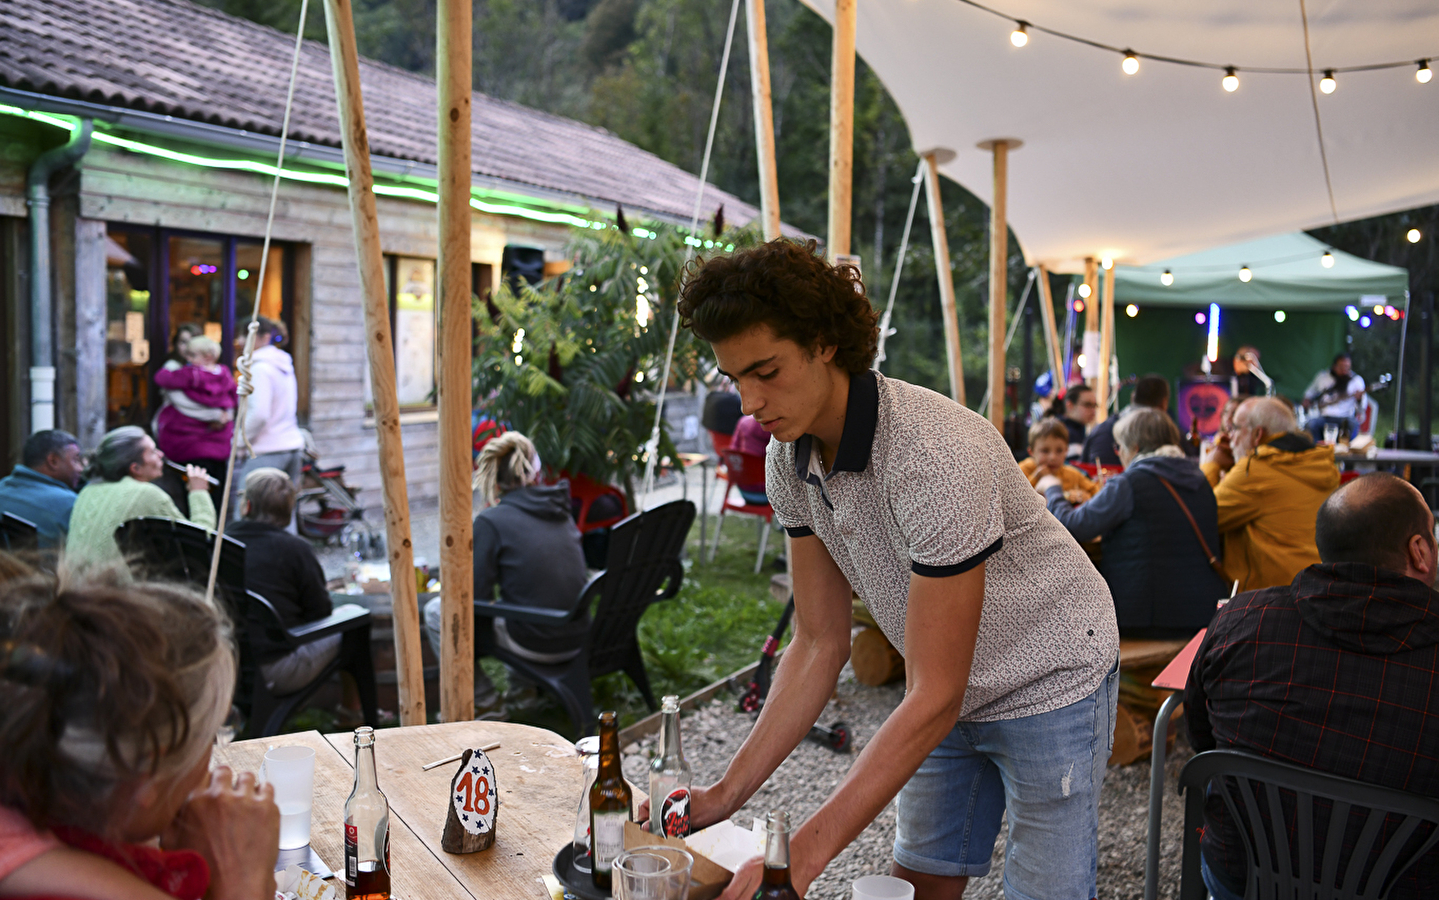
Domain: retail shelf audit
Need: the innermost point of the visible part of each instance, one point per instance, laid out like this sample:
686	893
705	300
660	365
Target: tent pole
998	282
453	72
381	350
763	118
1051	333
946	278
1106	344
1089	343
1399	375
1426	363
841	129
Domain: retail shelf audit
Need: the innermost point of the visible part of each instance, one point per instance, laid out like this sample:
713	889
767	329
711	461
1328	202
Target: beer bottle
1195	437
367	827
776	884
670	777
609	804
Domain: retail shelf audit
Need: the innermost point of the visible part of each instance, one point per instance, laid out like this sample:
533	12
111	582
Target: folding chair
743	469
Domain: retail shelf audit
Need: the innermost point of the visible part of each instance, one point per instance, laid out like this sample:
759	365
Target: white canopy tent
1164	162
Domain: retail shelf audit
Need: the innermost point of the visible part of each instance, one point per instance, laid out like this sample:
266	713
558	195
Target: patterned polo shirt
922	485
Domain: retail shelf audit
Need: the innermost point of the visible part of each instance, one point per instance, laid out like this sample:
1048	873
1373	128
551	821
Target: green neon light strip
266	169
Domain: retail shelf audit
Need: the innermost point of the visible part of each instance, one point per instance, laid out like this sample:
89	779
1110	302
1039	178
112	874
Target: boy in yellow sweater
1048	442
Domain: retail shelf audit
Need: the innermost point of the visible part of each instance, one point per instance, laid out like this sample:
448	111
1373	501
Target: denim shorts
1045	769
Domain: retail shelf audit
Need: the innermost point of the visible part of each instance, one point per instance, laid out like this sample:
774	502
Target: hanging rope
918	182
1013	327
1318	125
244	385
652	446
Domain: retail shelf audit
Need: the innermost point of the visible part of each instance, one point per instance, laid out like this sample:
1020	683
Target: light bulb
1327	84
1020	35
1167	278
1084	291
1244	274
1352	312
1363	321
1079	306
1279	315
1327	260
1131	310
1423	73
1199	318
1130	64
1083	361
1379	309
1107	262
1231	80
1413	236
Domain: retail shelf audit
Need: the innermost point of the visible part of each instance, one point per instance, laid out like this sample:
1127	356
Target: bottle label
675	813
608	839
352	854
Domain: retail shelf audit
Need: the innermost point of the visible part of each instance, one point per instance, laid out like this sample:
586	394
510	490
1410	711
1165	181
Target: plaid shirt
1338	671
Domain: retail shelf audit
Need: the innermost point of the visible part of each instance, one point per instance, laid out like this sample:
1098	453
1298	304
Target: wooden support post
1106	344
1053	351
1089	345
453	37
841	129
945	275
763	119
998	280
340	23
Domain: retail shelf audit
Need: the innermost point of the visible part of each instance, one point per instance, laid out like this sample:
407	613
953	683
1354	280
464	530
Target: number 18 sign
473	804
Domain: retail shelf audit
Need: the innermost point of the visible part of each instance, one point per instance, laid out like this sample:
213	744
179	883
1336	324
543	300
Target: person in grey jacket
527	547
1157	570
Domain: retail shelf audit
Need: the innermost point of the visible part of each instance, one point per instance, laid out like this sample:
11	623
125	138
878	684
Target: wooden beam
379	344
1051	333
841	129
998	281
763	119
1089	345
1106	344
454	358
946	279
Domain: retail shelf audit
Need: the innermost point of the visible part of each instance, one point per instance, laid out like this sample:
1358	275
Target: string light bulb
1327	260
1167	278
1107	263
1084	291
1130	64
1231	79
1020	35
1245	275
1327	84
1279	316
1131	310
1413	236
1423	73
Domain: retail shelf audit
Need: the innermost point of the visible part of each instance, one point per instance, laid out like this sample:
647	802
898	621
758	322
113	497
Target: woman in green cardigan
120	489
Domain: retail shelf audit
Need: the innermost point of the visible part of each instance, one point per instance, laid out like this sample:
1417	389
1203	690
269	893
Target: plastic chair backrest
17	533
644	557
746	470
584	491
180	551
1375	847
720	441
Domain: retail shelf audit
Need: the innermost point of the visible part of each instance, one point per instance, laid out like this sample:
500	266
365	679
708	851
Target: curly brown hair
788	286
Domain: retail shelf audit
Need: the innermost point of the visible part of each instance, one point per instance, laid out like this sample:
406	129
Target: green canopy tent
1293	307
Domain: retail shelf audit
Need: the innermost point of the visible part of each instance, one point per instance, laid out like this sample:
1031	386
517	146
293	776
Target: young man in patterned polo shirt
915	503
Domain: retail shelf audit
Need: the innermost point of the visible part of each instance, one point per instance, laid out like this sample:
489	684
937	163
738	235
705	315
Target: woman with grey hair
1158	522
121	487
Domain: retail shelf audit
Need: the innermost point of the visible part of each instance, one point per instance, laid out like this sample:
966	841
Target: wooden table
539	780
1174	678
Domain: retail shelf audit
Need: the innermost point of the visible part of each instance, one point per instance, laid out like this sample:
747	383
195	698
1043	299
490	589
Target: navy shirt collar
861	416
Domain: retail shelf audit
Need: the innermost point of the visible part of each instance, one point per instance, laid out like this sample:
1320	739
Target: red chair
743	469
584	491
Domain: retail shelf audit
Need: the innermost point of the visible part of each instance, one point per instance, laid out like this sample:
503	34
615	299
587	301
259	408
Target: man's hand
235	825
707	807
196	479
1223	455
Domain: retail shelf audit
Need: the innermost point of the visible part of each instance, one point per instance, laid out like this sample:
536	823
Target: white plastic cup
882	887
291	770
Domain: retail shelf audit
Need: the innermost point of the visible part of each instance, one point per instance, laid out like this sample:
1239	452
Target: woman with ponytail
528	549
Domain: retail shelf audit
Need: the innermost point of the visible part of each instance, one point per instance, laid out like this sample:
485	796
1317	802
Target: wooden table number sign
473	806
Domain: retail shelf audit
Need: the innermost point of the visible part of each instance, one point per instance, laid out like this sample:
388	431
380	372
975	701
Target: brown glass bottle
1195	437
609	805
367	827
776	884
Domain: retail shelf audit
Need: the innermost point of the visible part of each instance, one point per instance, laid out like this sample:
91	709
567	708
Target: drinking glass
1331	433
882	887
588	749
653	873
291	770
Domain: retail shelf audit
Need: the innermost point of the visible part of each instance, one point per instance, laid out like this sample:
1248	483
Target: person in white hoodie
270	424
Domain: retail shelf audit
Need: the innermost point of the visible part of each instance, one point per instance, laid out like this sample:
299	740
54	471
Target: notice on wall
415	331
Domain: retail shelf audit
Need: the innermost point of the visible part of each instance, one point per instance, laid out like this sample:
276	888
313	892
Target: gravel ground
713	733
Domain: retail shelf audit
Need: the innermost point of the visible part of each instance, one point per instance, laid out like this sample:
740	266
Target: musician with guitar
1337	394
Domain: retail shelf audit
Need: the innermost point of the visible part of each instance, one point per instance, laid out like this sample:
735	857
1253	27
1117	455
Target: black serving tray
575	882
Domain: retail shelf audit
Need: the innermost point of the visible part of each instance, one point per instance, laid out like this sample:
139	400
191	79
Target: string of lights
1129	57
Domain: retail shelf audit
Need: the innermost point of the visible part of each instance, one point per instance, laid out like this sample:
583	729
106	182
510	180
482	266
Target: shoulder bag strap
1214	562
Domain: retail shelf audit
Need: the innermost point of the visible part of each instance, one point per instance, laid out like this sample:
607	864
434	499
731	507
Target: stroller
325	507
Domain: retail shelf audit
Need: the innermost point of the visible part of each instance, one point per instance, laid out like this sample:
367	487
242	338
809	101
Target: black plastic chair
1377	847
181	551
642	567
18	535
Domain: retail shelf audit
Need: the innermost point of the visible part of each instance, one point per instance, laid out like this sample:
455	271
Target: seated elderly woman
113	694
1158	523
121	476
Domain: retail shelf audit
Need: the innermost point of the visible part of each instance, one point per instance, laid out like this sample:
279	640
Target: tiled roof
175	58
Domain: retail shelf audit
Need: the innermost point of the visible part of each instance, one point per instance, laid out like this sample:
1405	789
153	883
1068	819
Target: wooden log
841	129
472	808
763	120
1106	343
379	344
454	359
874	659
998	281
945	275
1051	334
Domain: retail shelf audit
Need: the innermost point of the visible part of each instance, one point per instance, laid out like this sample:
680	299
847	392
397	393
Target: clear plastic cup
291	770
652	873
882	887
